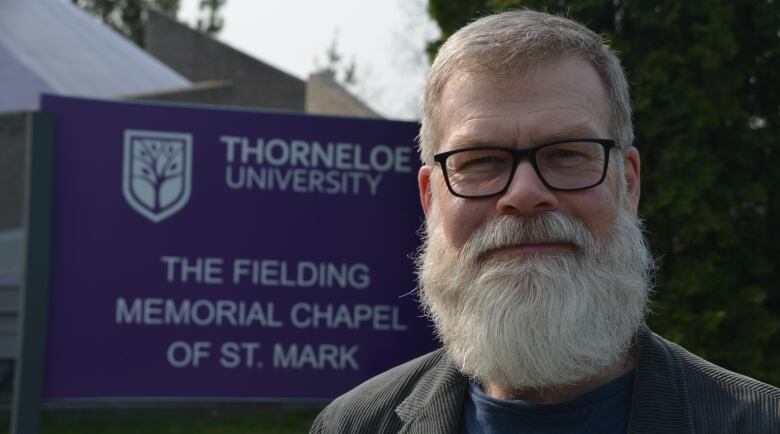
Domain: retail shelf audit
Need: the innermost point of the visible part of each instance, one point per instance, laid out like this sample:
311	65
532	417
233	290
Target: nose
527	196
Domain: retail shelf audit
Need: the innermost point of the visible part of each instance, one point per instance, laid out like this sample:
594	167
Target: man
534	268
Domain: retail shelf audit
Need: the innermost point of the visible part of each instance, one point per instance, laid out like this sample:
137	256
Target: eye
565	154
571	151
478	160
482	161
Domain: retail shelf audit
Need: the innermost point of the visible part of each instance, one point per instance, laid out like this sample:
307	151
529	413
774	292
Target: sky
386	40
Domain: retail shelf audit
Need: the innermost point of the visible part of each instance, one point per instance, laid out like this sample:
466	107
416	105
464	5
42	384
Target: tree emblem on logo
157	172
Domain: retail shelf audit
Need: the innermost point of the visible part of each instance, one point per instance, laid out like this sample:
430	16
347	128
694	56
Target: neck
563	393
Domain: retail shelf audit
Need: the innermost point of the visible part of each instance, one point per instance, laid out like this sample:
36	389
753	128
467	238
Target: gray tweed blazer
674	392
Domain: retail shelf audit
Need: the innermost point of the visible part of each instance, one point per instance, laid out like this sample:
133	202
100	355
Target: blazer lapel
660	402
435	404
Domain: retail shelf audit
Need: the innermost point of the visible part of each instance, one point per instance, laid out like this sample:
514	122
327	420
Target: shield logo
157	173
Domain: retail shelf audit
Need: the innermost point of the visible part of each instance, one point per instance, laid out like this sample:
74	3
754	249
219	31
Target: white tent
52	46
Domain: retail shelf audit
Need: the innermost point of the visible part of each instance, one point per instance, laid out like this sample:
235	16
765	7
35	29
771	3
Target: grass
244	419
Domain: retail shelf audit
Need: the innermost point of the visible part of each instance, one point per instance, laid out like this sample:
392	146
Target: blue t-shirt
604	410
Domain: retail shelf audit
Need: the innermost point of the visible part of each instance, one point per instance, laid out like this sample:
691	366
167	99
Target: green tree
335	65
704	77
212	23
128	17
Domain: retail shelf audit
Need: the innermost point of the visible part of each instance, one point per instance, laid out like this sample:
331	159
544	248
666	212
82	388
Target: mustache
507	231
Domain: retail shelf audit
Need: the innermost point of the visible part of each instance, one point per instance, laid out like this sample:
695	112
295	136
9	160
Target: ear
424	183
631	173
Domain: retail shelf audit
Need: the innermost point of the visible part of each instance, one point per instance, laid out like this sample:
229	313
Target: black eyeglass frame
517	156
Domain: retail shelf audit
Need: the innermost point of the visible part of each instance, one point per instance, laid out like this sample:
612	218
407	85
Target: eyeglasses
566	165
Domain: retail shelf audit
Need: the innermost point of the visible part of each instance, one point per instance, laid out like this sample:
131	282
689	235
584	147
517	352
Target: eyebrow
582	131
465	142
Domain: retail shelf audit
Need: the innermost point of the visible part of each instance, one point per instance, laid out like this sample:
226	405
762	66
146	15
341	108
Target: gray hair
511	43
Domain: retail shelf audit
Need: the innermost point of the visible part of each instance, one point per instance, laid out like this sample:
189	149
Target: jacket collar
660	397
436	402
660	402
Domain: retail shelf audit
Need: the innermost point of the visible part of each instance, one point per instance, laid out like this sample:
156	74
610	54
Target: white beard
536	321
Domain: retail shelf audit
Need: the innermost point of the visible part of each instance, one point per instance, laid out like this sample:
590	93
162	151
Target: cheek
597	208
459	217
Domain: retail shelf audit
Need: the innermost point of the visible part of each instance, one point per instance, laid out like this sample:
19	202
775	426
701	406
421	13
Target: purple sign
204	253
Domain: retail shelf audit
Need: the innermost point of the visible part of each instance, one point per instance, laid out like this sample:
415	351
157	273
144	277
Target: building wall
13	148
325	96
202	58
13	175
207	92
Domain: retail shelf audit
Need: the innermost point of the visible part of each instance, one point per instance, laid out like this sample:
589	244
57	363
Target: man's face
533	288
565	99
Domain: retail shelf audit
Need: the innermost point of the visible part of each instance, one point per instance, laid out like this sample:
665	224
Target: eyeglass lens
565	166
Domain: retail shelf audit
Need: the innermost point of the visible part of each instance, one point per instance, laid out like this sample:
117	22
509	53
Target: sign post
28	371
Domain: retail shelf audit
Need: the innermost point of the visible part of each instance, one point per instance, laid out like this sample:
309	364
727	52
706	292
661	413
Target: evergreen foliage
213	22
336	66
128	17
704	79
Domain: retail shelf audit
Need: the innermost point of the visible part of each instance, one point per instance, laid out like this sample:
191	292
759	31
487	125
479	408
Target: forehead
561	99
